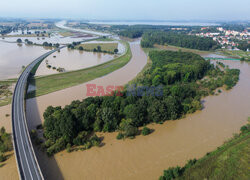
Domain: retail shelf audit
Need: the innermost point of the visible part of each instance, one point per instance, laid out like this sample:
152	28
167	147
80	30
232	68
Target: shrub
146	131
245	128
58	146
95	140
68	147
119	136
2	157
87	145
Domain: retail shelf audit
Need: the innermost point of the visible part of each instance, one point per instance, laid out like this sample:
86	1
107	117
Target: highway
28	166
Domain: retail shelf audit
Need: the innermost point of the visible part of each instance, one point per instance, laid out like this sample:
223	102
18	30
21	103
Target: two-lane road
26	159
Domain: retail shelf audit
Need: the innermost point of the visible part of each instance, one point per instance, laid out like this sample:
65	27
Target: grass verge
52	83
6	92
235	54
104	46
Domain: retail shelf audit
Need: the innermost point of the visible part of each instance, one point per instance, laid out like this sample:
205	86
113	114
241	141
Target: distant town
228	39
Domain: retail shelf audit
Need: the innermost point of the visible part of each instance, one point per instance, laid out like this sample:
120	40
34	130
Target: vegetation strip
5	145
5	92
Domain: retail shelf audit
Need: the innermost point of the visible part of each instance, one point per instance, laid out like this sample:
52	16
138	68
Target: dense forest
134	33
235	26
230	161
244	46
177	39
175	73
5	144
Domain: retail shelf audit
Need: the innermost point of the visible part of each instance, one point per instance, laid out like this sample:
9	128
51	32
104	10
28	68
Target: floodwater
71	60
55	38
171	144
145	157
14	56
62	24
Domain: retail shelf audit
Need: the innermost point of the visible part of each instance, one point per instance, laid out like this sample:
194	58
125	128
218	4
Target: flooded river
172	143
145	157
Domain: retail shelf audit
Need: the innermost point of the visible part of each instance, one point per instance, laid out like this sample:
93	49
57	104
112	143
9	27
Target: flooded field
121	48
172	143
14	56
71	60
55	38
62	24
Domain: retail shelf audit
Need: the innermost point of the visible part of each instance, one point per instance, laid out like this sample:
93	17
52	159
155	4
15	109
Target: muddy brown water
172	143
14	56
72	60
145	157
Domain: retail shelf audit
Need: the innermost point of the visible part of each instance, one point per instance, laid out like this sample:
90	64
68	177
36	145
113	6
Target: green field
5	92
66	33
229	161
104	46
52	83
176	48
233	54
236	54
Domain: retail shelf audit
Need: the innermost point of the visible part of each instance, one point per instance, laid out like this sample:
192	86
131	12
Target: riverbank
229	161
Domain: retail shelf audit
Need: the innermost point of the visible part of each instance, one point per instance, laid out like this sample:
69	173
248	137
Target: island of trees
181	76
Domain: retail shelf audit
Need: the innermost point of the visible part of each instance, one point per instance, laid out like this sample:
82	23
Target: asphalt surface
28	166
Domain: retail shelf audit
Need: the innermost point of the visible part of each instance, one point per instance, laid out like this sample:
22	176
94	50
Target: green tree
19	41
115	51
99	49
145	131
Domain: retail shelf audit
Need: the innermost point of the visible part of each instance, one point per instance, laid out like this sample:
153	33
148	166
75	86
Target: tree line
176	72
244	46
177	39
5	143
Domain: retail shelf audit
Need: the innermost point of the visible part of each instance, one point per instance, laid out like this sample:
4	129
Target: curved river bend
172	143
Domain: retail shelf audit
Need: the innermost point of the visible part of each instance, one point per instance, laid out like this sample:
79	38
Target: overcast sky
128	9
